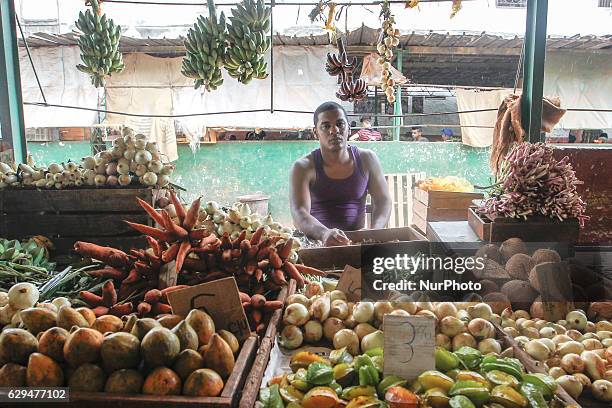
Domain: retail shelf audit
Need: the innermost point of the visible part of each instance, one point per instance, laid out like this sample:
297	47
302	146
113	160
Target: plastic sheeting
474	100
62	83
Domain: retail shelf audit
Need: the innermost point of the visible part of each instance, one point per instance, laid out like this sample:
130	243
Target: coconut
519	266
498	301
520	293
488	286
545	255
512	246
490	251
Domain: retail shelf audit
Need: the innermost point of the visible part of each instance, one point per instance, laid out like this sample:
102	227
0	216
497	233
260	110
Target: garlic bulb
23	295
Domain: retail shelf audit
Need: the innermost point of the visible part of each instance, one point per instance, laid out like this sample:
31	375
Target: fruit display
574	350
206	48
248	41
56	345
351	89
448	183
99	44
131	161
388	39
532	182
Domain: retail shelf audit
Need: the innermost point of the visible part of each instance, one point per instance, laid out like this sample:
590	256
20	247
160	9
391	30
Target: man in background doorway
366	134
447	134
417	135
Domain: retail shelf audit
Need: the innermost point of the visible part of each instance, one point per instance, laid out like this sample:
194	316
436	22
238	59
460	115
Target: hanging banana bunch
411	3
455	8
99	44
389	38
248	41
351	89
206	45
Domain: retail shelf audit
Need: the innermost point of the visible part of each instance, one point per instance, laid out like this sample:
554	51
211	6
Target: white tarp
473	100
300	84
62	83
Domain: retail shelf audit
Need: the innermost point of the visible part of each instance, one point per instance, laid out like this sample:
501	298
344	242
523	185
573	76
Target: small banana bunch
350	89
99	44
247	41
206	45
389	38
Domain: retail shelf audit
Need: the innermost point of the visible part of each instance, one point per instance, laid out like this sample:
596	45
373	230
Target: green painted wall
226	170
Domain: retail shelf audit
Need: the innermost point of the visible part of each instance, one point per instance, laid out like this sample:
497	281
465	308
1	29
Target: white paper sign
409	345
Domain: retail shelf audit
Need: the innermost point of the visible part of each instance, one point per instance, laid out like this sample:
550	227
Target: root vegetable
313	331
291	337
363	312
22	295
487	346
347	338
537	350
372	341
462	340
572	363
331	326
296	314
571	385
481	328
594	366
602	390
556	372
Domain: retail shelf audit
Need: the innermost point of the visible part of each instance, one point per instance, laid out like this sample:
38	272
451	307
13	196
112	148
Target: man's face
416	133
332	129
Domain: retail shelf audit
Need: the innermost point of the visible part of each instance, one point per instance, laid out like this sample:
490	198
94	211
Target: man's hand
335	237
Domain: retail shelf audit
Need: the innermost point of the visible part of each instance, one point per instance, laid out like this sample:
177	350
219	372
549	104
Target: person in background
447	134
571	139
232	137
329	186
259	134
366	134
417	135
603	138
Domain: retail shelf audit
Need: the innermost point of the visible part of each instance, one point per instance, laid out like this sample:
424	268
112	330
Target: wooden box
534	229
440	206
337	257
66	216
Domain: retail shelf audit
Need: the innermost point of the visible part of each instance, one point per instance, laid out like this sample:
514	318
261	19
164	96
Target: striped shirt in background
369	135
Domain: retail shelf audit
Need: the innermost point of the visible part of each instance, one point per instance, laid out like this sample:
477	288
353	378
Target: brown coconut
487	286
519	266
51	343
83	346
498	302
512	246
490	251
545	255
13	375
520	293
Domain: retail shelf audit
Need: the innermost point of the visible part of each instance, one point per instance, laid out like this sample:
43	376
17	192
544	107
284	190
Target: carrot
226	243
250	268
108	272
176	231
180	210
151	211
154	245
195	265
257	301
260	329
258	288
307	270
215	275
143	269
263	253
258	274
244	297
170	253
109	294
272	305
275	239
236	253
143	308
226	256
275	259
252	252
245	245
192	214
236	243
153	296
285	251
139	254
90	298
151	231
182	254
209	239
110	256
129	289
278	277
169	289
199	234
246	306
120	310
265	243
256	316
132	277
293	273
256	237
100	310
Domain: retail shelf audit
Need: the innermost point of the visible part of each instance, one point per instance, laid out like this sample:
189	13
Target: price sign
409	345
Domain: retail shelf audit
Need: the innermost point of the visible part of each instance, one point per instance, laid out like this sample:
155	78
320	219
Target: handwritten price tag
409	345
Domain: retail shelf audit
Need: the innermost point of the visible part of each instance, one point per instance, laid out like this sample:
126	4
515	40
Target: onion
167	170
291	337
481	310
140	144
331	326
22	295
141	169
586	381
339	309
124	180
372	341
88	162
149	178
487	346
347	338
572	363
363	312
570	347
163	180
320	308
556	372
350	322
129	153
363	329
152	147
337	295
399	312
571	385
117	152
549	343
462	340
298	298
313	288
561	338
381	309
451	326
6	314
313	331
3	299
592	344
547	332
442	340
481	328
594	366
537	350
602	390
405	303
296	314
445	309
99	180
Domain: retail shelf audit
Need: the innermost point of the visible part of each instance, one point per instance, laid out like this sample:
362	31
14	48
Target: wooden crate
66	216
440	206
534	229
250	391
228	398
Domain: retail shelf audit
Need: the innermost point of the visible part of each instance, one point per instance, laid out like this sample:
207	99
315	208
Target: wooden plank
446	199
401	191
250	391
391	222
482	229
81	200
69	225
420	223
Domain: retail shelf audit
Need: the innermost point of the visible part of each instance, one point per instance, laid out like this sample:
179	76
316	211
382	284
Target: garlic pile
132	159
389	38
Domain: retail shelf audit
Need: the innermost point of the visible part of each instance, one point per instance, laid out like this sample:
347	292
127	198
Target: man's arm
379	191
299	199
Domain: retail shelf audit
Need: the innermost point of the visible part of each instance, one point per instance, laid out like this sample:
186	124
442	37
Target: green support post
533	77
397	106
11	104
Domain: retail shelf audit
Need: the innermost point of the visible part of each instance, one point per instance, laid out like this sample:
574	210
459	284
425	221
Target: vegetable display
99	44
448	183
532	182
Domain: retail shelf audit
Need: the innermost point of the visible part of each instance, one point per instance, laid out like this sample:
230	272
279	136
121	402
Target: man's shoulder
367	155
304	163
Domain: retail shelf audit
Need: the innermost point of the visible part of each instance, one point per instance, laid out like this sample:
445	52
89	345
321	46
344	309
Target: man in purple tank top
330	185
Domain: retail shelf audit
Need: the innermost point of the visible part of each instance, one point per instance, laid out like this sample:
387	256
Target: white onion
23	295
149	178
142	157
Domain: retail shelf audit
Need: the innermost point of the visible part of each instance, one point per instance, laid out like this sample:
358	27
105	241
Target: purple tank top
339	203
